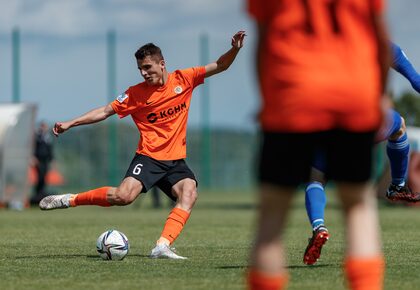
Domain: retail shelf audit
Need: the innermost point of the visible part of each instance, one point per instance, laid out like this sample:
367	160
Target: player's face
151	70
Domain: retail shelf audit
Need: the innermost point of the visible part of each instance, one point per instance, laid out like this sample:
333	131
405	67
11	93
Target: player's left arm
402	64
224	61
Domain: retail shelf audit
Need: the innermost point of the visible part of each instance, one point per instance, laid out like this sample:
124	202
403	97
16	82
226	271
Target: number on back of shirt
331	11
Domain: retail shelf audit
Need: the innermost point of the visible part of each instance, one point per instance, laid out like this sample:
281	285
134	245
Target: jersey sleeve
402	64
125	104
195	75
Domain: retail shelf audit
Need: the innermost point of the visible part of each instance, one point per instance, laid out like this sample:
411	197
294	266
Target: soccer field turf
56	249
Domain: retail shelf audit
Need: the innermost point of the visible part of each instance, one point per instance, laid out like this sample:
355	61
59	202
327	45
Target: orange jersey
161	113
319	64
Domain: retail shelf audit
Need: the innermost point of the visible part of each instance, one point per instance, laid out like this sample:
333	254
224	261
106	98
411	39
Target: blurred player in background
43	156
322	69
394	132
159	107
156	200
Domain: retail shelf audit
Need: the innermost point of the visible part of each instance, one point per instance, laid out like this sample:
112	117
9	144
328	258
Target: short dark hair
149	49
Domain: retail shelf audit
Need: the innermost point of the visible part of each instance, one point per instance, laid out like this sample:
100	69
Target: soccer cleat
401	193
313	251
55	202
163	251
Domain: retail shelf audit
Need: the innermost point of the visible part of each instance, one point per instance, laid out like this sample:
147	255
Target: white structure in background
17	125
413	134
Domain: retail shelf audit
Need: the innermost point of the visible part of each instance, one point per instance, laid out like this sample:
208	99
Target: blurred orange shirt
320	65
161	113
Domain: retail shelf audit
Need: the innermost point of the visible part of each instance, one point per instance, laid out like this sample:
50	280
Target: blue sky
63	52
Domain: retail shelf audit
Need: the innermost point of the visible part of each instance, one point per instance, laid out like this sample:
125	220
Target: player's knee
403	128
400	132
189	195
124	197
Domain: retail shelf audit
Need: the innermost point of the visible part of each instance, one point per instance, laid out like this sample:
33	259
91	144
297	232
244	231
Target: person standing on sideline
159	107
322	68
43	156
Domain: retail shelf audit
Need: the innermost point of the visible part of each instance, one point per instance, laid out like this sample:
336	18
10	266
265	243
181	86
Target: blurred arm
261	40
384	50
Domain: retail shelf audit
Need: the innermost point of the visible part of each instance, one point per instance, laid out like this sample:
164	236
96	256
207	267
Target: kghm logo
153	117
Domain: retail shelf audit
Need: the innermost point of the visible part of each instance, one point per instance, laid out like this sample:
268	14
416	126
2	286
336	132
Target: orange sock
92	197
261	281
365	273
174	224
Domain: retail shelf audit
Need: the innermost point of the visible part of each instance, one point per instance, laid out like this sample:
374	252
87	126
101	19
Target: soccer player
317	95
159	107
394	131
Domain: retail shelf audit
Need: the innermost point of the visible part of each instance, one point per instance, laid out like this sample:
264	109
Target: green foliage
408	105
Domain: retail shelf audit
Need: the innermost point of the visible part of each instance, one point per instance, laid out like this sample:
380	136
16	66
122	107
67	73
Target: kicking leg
397	151
106	196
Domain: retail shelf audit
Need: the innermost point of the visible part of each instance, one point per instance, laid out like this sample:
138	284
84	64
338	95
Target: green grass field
56	249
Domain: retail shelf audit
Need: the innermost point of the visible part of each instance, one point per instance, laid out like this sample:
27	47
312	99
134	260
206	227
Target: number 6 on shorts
137	169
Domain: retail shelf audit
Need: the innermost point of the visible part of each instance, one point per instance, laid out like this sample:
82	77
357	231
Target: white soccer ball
112	245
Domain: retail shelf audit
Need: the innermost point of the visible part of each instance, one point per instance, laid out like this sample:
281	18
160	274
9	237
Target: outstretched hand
60	128
238	39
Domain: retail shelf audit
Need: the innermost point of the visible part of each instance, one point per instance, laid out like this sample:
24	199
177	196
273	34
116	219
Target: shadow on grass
57	256
312	266
233	267
241	206
229	206
91	257
288	267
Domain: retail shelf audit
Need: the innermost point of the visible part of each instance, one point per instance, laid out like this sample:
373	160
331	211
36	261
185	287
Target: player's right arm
93	116
261	40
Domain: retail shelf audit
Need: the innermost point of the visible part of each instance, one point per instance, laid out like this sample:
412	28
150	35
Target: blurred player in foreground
159	107
394	132
322	70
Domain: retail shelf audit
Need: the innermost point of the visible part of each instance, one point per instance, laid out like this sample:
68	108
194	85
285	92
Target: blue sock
315	201
397	152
